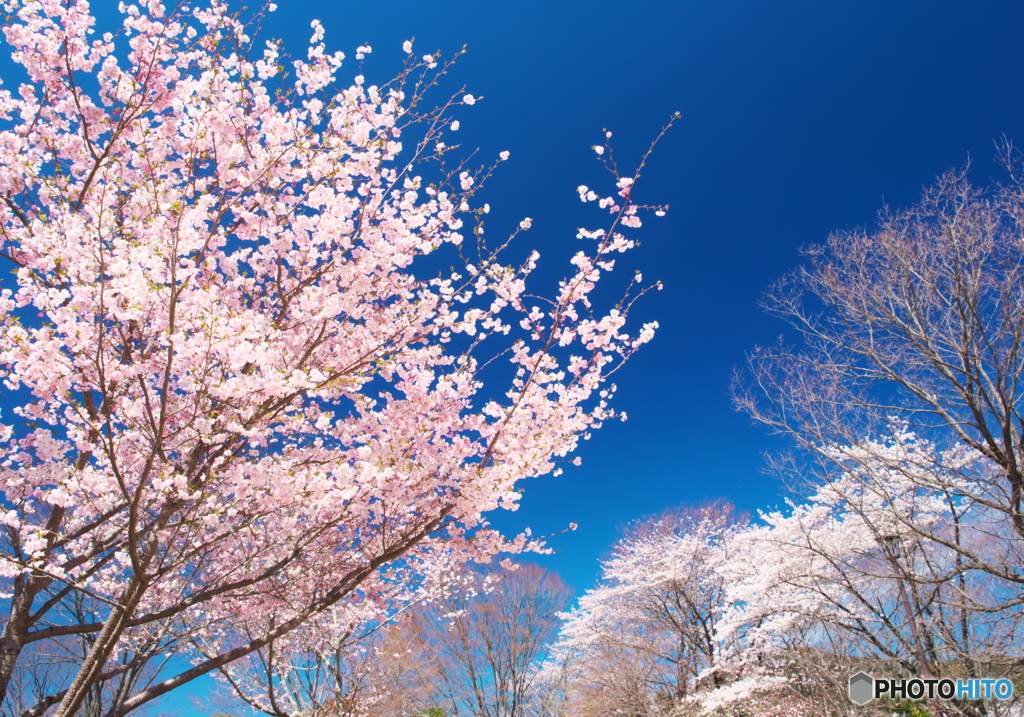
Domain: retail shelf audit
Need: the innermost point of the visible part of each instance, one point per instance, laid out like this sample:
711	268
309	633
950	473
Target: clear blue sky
798	117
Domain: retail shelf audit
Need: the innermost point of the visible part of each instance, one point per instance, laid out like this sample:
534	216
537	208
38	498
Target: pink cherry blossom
247	400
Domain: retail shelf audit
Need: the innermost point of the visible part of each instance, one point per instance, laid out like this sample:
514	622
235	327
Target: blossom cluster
896	557
243	401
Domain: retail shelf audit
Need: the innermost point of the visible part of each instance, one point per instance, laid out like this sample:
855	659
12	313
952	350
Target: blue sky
799	117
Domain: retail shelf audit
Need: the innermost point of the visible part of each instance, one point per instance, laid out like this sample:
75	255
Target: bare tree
332	669
41	679
916	327
478	646
470	650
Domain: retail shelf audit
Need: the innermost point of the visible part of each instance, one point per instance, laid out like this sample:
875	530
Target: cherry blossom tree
903	390
845	580
646	637
700	615
243	396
